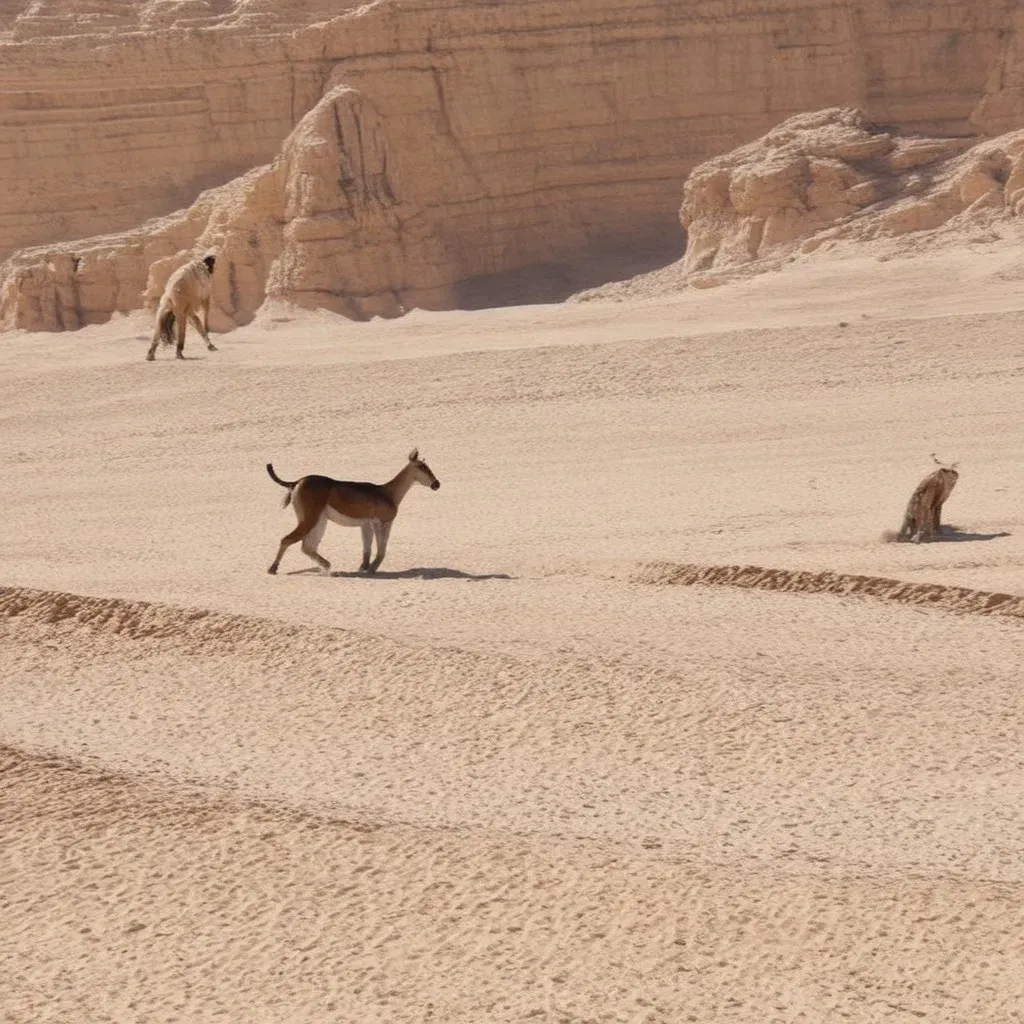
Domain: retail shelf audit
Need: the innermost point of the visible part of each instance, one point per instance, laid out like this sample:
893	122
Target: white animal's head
422	473
210	260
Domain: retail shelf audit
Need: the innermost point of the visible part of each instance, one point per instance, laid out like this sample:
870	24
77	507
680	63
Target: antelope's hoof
211	348
150	356
272	570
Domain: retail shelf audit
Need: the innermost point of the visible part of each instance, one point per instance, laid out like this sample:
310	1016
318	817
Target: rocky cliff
833	176
413	152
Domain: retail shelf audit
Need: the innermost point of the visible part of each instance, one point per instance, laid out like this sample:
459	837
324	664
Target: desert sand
556	761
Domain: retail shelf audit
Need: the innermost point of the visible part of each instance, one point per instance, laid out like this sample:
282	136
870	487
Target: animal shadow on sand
418	573
183	359
954	533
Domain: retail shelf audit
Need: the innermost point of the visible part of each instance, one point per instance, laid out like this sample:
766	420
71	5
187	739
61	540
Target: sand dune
520	775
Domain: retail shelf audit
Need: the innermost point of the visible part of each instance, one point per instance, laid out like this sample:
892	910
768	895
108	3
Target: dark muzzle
435	485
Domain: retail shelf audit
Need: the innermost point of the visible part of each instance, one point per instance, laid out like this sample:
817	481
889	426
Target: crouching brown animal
922	520
188	290
318	500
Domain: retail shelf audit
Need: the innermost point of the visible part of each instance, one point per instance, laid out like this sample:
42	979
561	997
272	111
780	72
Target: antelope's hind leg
311	542
307	524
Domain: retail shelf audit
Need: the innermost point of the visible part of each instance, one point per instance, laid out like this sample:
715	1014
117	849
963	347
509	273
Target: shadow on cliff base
544	283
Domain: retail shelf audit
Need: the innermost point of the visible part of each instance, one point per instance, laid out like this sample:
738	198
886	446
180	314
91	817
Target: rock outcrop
323	226
542	133
833	176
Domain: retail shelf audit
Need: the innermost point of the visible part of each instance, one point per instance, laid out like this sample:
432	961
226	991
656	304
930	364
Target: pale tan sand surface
523	774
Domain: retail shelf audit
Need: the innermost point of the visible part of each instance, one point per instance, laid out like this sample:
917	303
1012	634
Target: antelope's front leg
383	531
367	529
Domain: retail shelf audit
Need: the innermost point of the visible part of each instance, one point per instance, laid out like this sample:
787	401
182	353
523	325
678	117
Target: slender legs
382	531
181	326
157	336
198	325
204	327
310	530
181	323
311	542
367	528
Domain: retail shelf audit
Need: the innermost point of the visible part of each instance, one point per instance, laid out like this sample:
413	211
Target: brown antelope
922	519
371	507
188	290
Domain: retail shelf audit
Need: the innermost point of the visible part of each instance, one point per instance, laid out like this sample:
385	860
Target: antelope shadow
417	573
422	573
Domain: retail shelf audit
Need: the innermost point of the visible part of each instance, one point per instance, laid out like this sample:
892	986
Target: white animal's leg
382	532
311	542
367	529
158	334
181	322
206	325
198	324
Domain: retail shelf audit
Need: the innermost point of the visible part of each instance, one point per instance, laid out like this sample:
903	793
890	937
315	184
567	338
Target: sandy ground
544	766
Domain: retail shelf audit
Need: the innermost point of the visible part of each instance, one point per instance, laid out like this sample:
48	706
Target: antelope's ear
414	455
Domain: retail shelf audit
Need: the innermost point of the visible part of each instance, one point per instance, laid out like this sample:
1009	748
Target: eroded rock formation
516	135
833	175
324	225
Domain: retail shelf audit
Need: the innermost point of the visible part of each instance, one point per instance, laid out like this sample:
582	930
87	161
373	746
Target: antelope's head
422	473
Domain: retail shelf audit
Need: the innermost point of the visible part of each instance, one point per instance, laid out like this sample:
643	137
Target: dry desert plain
545	766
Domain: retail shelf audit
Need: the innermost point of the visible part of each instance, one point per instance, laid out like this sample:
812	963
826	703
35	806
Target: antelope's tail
283	483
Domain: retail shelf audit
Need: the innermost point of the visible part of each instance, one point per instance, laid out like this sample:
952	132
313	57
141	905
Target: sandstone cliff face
832	175
516	135
323	226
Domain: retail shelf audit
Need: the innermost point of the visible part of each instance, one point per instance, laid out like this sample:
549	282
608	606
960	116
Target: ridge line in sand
960	600
139	618
150	793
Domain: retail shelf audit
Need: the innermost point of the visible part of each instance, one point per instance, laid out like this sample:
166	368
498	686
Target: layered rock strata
833	175
542	133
